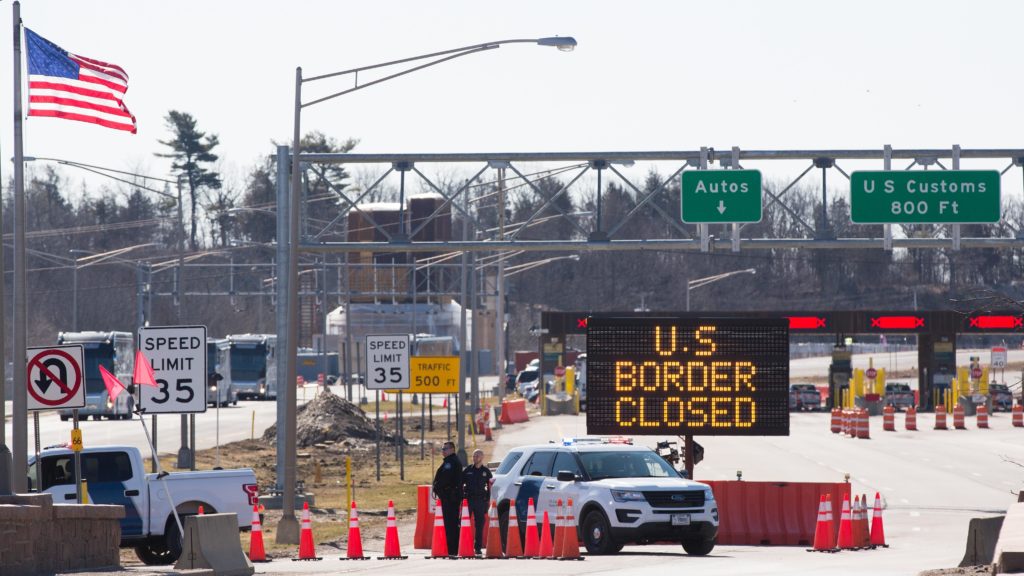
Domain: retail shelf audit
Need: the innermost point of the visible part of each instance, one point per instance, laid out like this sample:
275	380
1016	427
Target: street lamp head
563	43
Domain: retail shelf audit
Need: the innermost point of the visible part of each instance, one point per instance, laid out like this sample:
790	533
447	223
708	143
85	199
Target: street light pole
288	527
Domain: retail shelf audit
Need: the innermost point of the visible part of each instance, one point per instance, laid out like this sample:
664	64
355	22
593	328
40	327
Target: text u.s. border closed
178	356
688	376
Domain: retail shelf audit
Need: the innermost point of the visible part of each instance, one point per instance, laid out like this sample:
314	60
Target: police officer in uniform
476	486
448	488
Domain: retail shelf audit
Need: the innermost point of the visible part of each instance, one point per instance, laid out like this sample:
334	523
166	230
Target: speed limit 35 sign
178	356
387	362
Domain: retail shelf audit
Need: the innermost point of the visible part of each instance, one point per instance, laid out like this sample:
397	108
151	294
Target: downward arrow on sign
721	207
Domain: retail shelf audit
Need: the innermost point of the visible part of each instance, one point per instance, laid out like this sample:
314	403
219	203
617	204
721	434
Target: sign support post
377	404
35	421
78	459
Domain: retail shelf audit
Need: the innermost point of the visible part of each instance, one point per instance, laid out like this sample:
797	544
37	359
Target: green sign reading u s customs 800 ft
717	196
914	197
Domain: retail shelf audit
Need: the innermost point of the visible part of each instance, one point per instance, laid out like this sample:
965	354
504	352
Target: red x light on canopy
806	323
581	323
988	322
897	322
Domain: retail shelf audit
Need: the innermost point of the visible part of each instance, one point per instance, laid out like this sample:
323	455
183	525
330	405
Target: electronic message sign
688	376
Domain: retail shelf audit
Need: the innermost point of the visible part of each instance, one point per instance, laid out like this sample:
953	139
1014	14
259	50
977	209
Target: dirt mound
329	417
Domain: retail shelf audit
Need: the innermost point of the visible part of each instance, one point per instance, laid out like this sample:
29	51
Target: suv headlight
627	496
709	495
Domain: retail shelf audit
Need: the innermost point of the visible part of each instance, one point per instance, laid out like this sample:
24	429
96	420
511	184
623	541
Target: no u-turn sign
55	378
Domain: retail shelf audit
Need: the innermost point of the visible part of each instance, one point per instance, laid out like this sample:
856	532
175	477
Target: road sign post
935	197
178	356
721	196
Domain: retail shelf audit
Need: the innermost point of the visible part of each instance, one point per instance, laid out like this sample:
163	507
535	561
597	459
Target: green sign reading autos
915	197
717	196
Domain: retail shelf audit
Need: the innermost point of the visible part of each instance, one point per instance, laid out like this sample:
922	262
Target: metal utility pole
499	307
460	420
19	467
186	456
288	528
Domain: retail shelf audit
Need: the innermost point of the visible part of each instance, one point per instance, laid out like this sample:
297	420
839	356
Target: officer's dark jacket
476	483
448	479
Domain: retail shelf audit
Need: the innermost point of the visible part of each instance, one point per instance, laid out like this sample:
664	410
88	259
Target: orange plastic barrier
424	537
1018	416
836	425
773	513
513	411
889	419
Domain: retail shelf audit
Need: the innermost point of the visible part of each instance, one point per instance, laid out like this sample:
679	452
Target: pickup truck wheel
699	547
154	553
172	539
597	534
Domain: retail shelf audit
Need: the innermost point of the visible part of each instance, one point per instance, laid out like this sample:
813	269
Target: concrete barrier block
211	541
982	534
1009	551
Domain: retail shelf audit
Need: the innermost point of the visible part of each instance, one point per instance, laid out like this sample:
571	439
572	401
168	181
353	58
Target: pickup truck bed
116	475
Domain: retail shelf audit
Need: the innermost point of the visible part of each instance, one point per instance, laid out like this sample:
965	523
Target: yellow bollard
570	380
85	491
348	485
318	476
983	385
252	428
880	382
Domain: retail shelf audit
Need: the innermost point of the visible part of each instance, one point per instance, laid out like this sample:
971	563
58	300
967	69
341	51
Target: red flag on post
114	386
143	374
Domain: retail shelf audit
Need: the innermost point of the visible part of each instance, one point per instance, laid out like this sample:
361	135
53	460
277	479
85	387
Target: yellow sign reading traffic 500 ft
687	375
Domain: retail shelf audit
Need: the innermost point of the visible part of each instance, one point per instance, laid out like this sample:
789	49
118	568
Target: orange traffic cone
865	531
556	551
355	538
493	533
307	550
822	530
256	551
546	546
845	541
877	530
831	519
392	549
439	543
465	533
487	432
531	548
571	542
513	545
855	521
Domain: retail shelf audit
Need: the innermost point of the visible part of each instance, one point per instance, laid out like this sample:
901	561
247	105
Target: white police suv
622	494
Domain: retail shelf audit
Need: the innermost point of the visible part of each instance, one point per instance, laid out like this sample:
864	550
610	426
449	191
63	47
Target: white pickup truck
116	475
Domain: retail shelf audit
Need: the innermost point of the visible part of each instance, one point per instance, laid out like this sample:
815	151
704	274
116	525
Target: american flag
65	85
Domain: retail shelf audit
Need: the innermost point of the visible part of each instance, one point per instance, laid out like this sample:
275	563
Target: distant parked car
899	396
1002	398
527	379
804	397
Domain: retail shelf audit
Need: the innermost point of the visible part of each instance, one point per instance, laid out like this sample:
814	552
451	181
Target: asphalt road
932	482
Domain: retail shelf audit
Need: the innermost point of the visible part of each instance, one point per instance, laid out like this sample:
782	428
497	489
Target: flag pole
19	469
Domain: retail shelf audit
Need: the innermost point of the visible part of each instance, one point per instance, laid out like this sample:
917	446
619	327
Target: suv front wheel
698	547
597	534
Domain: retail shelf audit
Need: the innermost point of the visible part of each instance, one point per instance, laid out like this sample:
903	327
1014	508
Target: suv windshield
528	375
622	464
